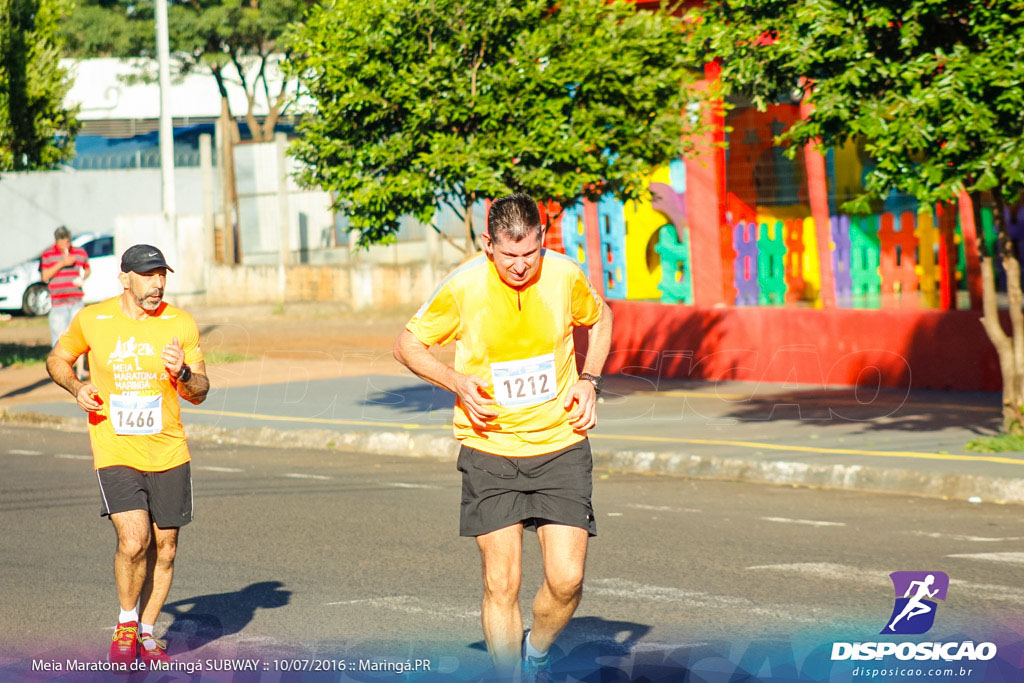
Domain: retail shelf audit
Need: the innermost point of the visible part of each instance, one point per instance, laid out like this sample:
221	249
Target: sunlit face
147	289
64	243
516	261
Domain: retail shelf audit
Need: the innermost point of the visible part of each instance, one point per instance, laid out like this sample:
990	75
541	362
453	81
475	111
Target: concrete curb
779	472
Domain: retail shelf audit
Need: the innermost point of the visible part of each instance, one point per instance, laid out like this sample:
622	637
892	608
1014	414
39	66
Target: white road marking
1009	558
614	514
838	573
296	475
72	456
805	522
19	451
213	468
631	590
403	485
411	605
660	508
971	539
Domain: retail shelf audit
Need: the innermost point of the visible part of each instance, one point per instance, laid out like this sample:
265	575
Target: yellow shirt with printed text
124	359
508	334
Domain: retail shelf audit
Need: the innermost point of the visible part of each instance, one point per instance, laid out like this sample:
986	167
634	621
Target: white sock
531	651
128	615
146	636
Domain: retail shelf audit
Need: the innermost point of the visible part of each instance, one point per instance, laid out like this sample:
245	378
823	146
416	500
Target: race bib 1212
527	382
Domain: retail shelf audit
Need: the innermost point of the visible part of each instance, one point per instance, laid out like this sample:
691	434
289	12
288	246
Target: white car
22	288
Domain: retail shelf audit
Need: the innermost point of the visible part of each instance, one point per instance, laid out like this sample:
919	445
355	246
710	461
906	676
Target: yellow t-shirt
519	342
139	424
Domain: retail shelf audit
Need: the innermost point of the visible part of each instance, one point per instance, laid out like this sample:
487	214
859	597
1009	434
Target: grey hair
62	233
514	217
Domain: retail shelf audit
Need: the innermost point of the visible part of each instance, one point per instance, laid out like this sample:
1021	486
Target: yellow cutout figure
643	223
927	268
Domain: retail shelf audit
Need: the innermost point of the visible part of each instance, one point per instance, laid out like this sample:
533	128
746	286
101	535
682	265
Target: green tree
232	40
36	130
934	90
424	103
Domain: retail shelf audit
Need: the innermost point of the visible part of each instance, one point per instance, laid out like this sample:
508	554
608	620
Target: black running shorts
498	491
166	495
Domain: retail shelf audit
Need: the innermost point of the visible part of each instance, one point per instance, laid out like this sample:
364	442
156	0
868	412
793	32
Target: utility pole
166	125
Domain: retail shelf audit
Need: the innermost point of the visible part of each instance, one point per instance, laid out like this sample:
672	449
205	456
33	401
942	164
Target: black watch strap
596	380
185	374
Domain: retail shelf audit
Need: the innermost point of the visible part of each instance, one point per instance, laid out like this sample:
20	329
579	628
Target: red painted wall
895	348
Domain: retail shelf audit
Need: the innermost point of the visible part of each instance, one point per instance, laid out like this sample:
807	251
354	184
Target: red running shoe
125	641
156	657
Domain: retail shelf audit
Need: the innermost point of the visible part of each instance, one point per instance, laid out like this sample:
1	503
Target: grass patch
1002	443
12	354
220	357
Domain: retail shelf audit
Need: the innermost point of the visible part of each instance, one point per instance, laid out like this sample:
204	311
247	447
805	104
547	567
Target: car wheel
36	300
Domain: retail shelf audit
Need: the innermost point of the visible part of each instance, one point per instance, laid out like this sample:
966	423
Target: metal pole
166	126
284	215
206	163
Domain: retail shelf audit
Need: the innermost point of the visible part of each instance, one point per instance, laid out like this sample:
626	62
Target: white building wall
33	204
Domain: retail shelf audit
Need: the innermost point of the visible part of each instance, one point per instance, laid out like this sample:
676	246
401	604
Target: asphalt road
298	555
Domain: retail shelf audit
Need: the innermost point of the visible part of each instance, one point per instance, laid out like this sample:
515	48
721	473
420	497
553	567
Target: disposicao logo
916	593
914	613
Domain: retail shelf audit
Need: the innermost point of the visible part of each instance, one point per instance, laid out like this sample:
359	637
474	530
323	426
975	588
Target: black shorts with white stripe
167	495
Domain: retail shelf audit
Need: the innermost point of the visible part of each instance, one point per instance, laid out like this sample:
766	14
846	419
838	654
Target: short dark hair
514	216
62	233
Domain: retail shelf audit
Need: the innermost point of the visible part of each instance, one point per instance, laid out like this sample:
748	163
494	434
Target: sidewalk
314	377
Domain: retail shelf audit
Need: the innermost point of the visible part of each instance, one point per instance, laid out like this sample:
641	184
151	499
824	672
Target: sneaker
157	656
125	641
535	669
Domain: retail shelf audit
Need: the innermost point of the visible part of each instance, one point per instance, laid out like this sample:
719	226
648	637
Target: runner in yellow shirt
143	354
522	414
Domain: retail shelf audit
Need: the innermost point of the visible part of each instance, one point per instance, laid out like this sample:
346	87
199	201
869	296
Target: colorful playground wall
901	256
895	273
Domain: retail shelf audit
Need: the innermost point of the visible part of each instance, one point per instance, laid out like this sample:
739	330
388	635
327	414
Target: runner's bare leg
159	572
501	553
133	541
565	552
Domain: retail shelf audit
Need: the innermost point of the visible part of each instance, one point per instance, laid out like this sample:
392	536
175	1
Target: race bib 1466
136	414
527	382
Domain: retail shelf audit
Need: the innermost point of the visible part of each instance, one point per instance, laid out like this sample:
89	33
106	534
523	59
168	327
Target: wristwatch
596	380
185	374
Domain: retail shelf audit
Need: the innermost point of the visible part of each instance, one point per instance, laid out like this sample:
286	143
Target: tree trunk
1013	401
1009	348
230	139
471	247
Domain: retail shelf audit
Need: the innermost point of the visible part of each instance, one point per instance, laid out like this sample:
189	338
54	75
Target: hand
174	357
69	260
472	391
88	398
584	396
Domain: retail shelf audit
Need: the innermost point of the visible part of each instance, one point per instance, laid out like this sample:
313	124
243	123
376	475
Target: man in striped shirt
63	268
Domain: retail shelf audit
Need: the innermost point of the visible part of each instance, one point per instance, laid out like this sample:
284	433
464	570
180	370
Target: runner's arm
583	393
198	385
60	365
600	341
471	390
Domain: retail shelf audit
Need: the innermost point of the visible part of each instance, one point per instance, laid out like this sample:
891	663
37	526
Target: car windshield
101	246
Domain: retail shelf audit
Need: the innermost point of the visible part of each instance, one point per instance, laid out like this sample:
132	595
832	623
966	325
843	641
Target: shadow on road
202	620
596	637
27	388
413	398
886	411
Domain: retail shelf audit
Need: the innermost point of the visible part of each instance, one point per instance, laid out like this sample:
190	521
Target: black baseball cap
143	258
